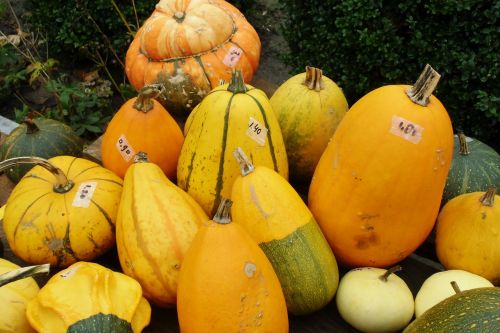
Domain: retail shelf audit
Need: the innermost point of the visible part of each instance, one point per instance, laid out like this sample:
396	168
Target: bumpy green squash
474	310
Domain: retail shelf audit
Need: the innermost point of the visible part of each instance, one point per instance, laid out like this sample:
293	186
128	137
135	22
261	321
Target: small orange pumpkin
142	124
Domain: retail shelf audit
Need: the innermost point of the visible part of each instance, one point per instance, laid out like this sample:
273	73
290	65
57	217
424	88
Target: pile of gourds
205	219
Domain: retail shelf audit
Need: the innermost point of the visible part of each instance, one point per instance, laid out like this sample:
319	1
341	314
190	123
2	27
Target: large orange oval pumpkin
377	188
190	46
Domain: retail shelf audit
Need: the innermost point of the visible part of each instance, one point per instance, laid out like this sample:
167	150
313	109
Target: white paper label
406	129
257	131
125	148
233	56
84	194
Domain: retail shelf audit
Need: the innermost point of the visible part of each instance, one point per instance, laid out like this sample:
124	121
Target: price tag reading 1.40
125	148
257	131
84	194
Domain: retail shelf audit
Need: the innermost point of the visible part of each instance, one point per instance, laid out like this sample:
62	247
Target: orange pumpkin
227	284
190	46
142	124
377	188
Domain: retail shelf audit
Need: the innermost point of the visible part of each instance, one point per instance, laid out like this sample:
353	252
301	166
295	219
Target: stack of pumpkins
205	218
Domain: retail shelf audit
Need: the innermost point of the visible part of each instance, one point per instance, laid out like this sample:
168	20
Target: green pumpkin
40	137
474	168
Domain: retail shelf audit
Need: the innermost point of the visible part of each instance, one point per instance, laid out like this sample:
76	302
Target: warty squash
377	188
87	297
189	46
232	115
227	284
62	211
155	226
273	213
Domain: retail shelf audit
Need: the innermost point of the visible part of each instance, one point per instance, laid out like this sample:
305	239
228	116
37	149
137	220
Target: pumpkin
189	47
377	188
62	211
155	225
474	168
142	124
232	115
309	106
40	137
87	297
17	288
273	213
474	310
468	234
227	284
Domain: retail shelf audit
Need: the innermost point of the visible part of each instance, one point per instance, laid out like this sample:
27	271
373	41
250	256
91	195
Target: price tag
84	194
257	131
125	148
406	129
233	56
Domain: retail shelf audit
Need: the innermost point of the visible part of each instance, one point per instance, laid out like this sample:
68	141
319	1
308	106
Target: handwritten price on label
84	194
257	131
232	57
125	148
406	129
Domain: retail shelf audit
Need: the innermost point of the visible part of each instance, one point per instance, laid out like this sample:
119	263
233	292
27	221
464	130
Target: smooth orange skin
468	236
154	132
219	291
374	194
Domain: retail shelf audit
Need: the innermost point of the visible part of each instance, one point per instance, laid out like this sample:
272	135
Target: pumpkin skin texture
475	167
206	168
309	106
43	225
39	137
142	124
468	234
273	213
376	190
155	225
474	310
87	297
13	300
190	46
227	284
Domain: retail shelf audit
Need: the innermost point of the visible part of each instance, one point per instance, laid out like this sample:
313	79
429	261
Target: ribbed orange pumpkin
377	188
190	46
142	124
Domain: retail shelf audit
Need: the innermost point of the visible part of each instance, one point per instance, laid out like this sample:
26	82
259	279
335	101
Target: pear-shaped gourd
377	188
227	284
277	218
309	106
155	226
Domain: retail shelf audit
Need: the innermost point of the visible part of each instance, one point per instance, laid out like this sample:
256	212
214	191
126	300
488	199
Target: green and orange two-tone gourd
277	218
155	226
377	188
189	46
232	115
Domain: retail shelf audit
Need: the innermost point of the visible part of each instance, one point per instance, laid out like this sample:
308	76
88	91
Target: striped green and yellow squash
40	137
273	213
474	310
230	116
474	168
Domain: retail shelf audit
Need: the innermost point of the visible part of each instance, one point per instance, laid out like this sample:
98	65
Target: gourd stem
246	166
464	146
31	127
454	284
141	157
144	102
179	16
488	199
237	85
424	86
388	272
314	78
63	184
223	214
24	272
